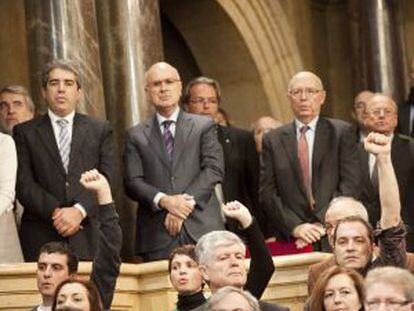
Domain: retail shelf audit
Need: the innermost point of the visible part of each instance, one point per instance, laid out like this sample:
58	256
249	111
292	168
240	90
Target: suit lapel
45	131
153	133
290	144
79	133
225	138
320	145
183	129
364	160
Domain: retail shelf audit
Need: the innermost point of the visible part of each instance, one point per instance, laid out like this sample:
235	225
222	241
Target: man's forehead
52	258
351	229
62	73
305	79
161	71
229	249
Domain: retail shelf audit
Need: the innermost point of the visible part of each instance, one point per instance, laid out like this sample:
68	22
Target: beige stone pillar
66	29
378	44
130	39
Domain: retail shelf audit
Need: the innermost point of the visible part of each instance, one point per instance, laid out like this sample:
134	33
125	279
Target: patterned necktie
64	142
303	154
168	138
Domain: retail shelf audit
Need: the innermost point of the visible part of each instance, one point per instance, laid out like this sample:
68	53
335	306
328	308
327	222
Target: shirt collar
173	117
54	117
311	124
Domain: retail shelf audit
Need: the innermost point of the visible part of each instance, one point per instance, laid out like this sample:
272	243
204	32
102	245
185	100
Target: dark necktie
303	154
374	177
168	137
64	142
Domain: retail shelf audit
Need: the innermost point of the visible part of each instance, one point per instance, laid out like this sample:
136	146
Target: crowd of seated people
206	190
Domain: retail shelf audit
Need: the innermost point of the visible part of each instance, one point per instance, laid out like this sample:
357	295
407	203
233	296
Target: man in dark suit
382	117
305	164
57	262
53	150
172	163
241	178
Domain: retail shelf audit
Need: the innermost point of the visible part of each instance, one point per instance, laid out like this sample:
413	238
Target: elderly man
382	117
305	164
53	150
352	237
390	287
359	113
221	256
16	106
241	179
173	161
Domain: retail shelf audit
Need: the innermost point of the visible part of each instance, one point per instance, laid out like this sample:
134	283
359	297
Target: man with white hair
221	257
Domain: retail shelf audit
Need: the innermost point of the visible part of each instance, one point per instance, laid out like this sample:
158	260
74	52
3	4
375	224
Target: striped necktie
64	142
168	137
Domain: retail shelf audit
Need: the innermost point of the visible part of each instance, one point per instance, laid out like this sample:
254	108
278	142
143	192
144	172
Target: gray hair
64	64
221	293
396	277
201	80
207	245
356	208
19	90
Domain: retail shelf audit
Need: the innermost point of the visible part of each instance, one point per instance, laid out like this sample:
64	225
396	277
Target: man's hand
173	224
309	233
180	205
67	220
239	212
300	243
94	181
377	144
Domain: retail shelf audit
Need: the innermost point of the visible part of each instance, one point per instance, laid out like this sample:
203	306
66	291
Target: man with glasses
382	117
241	179
305	164
389	288
173	161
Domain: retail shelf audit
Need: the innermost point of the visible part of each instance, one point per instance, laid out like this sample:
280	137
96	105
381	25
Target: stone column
130	40
66	29
378	44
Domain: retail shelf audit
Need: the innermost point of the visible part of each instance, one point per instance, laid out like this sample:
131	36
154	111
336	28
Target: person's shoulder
337	123
196	118
94	121
140	126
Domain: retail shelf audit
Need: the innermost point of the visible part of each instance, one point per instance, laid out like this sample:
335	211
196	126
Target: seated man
57	262
221	257
391	287
352	239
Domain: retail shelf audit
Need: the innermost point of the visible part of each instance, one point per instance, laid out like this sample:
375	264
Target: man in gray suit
173	160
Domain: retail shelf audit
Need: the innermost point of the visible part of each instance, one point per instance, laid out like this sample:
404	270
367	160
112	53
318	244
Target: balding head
382	114
306	95
359	111
163	87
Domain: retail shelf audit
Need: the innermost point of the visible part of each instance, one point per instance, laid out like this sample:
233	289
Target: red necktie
303	154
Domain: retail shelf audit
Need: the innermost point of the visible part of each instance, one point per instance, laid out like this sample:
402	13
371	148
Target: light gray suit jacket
197	166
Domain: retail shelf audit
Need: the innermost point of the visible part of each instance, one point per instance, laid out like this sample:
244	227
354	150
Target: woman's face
184	275
341	295
73	296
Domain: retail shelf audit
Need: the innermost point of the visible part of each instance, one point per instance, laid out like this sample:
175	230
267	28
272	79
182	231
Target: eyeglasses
309	93
159	83
201	100
391	305
382	111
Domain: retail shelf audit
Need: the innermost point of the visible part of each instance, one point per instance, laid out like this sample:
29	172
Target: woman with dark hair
338	288
186	278
77	294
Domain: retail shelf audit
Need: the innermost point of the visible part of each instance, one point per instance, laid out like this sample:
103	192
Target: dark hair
188	250
318	292
64	64
93	293
357	219
64	249
201	80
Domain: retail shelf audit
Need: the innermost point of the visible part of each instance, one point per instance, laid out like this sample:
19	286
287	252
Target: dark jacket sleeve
105	268
261	263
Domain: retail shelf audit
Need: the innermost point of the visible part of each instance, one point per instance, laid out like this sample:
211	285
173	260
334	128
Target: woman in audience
10	250
186	278
77	294
337	288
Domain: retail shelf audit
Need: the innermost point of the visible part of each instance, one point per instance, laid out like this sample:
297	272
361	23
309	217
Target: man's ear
204	272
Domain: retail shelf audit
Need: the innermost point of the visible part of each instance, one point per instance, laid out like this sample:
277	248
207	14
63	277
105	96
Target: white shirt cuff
157	199
82	210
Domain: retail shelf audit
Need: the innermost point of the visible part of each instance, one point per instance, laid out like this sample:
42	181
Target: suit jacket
402	156
196	168
241	163
404	111
43	184
335	172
